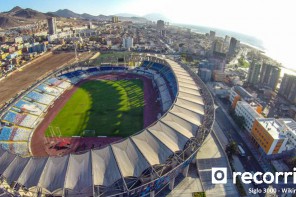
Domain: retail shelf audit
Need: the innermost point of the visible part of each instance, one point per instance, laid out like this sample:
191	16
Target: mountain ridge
17	15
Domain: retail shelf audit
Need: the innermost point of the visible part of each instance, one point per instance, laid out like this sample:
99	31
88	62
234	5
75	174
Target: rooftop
243	92
289	123
249	108
273	126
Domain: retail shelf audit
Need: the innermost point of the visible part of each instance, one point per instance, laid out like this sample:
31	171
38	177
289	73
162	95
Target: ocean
250	40
246	39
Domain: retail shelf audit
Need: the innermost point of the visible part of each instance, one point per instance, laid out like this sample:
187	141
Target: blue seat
90	70
21	103
5	133
35	96
145	64
10	117
106	68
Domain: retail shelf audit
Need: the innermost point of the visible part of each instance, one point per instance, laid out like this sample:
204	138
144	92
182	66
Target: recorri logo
219	176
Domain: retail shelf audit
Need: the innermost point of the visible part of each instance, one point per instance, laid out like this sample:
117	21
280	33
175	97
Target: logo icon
219	175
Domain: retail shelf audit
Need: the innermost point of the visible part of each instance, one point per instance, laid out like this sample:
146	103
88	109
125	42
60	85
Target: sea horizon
249	40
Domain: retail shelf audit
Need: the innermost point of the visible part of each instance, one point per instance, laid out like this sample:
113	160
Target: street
249	162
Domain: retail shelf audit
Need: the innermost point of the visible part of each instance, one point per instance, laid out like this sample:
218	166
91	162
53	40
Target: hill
18	16
8	22
66	13
70	14
26	13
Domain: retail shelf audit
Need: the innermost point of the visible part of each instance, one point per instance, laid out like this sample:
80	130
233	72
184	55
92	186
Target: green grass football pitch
101	108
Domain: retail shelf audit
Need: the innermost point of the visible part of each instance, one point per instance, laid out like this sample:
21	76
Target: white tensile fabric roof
105	169
78	173
78	176
129	159
53	176
196	107
5	160
174	140
32	172
189	91
154	151
14	170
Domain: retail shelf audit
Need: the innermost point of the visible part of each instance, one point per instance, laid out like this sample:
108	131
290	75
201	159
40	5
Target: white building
109	42
289	125
271	135
18	40
52	26
128	42
160	24
233	95
250	114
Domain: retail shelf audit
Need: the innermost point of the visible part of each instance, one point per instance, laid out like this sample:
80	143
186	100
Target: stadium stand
41	98
49	90
20	148
136	166
53	82
22	134
25	106
25	120
5	133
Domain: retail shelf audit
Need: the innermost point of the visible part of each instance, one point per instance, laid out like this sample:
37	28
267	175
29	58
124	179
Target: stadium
137	159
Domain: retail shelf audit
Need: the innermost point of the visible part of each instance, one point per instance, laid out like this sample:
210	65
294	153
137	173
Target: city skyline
268	21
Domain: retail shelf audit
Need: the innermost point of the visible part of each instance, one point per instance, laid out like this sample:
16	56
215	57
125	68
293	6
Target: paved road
249	162
231	133
263	163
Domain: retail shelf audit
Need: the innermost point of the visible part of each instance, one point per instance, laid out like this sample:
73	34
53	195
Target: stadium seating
28	121
20	148
165	72
64	85
10	117
5	146
70	78
42	107
92	71
28	107
79	74
145	64
112	68
24	120
5	133
41	98
17	110
53	82
49	90
22	134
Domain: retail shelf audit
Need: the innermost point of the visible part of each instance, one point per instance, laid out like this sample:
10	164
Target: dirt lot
20	80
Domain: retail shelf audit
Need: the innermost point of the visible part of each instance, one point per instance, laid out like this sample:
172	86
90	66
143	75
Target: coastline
242	37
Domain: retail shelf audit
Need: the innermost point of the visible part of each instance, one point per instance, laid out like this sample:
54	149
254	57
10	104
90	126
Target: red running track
45	146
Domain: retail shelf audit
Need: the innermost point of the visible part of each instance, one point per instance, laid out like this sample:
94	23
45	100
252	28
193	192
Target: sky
271	21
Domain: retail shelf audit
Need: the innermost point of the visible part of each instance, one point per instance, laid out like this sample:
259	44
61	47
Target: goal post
88	133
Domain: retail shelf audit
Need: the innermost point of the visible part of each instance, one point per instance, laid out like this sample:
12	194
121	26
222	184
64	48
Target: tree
231	112
243	63
291	162
231	149
240	121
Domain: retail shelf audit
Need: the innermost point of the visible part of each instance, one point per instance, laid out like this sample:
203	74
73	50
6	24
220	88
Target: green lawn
111	108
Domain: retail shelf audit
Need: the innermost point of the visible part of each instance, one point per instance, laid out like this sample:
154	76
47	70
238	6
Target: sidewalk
211	155
238	166
186	186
